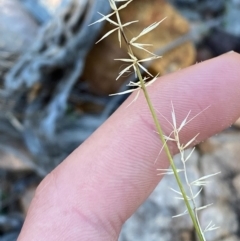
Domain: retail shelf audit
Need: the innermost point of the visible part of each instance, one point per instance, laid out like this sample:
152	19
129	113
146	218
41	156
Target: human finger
92	193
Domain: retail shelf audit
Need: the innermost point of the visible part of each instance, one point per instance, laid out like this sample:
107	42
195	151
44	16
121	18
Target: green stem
161	136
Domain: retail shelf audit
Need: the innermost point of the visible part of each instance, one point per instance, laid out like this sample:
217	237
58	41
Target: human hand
101	184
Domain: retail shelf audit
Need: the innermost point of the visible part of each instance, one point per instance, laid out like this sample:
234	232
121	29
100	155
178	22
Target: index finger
91	194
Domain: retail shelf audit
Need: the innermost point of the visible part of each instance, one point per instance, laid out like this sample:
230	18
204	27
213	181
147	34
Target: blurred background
54	92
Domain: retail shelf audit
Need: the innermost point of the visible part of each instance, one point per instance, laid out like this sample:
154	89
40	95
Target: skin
102	183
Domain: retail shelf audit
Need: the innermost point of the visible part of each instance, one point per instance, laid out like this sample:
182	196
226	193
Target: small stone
224	148
221	154
217	189
224	217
